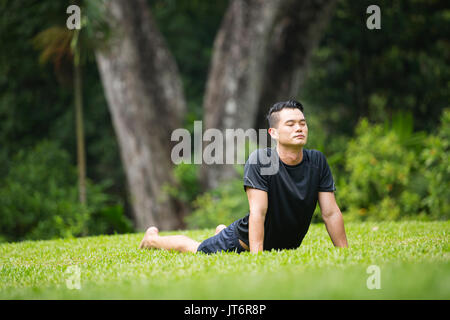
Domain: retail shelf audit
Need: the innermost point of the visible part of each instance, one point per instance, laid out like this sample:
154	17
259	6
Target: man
281	203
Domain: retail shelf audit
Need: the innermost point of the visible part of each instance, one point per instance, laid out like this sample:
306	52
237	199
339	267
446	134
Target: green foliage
58	43
222	205
187	186
357	72
109	219
36	100
189	28
39	199
392	173
379	173
436	169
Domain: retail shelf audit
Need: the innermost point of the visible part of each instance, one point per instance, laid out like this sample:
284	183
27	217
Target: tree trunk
291	48
260	56
145	98
81	157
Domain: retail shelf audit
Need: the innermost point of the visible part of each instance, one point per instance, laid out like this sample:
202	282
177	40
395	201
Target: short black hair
277	107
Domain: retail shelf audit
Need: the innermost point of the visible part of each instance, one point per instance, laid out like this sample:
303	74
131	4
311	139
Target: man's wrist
256	247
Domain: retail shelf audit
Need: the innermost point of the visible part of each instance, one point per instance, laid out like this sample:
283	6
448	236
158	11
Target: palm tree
63	46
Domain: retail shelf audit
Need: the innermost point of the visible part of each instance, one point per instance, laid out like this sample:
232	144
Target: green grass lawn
413	258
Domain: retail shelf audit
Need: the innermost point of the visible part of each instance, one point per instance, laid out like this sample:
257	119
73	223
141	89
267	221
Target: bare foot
219	228
149	234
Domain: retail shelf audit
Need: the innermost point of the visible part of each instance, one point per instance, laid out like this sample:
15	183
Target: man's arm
332	217
258	202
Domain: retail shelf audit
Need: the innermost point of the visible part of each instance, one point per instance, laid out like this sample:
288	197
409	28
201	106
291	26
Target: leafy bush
39	199
187	186
393	173
436	170
106	214
378	171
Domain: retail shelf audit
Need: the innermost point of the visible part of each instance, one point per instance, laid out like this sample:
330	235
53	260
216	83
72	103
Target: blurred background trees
145	98
374	100
260	56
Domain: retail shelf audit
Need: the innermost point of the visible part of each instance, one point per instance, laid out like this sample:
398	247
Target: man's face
292	129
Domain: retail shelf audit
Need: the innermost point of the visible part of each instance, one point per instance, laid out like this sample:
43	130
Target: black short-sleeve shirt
292	195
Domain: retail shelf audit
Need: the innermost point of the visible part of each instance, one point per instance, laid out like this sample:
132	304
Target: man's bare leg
180	242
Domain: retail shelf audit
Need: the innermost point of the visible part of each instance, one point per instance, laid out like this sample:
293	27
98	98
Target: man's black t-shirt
292	195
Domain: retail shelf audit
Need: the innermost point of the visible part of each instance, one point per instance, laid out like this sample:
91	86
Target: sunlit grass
413	258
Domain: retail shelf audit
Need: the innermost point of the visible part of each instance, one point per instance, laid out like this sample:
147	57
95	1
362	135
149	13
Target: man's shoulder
315	157
314	153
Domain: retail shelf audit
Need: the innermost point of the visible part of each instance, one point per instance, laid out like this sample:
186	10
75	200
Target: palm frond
54	44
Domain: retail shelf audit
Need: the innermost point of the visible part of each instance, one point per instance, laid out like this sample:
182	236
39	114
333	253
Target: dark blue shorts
226	240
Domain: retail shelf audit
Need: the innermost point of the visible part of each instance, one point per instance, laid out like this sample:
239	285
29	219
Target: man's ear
273	133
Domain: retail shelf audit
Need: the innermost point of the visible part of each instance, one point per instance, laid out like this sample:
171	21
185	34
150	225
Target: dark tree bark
261	54
144	94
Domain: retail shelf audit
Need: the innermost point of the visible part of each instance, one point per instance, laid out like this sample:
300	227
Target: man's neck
290	155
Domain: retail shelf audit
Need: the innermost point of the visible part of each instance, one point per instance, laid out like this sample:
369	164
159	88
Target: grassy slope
413	258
